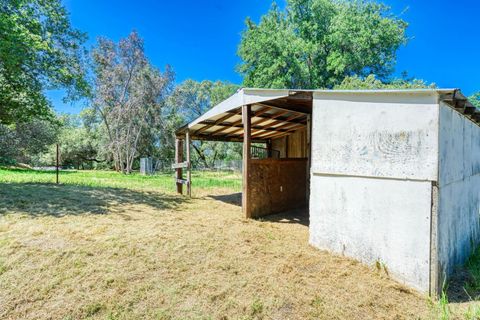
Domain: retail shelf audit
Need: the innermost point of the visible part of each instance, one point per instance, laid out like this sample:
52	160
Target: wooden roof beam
273	117
279	135
209	125
287	124
280	108
236	123
289	127
288	120
257	128
264	119
224	138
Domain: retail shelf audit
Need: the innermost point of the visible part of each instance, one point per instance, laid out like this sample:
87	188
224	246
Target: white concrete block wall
374	157
459	189
375	220
376	135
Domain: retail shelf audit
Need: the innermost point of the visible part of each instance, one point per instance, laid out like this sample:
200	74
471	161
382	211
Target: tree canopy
129	95
25	142
475	99
318	43
371	83
39	50
134	108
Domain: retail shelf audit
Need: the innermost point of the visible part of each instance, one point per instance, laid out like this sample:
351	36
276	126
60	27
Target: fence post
189	164
179	159
57	163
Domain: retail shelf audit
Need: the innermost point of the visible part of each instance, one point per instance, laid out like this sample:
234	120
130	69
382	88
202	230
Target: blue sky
199	39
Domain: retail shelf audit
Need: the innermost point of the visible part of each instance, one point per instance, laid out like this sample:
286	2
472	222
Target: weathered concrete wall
382	135
374	220
459	190
277	185
374	158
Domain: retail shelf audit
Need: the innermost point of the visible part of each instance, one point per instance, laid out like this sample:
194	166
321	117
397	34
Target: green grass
473	267
161	182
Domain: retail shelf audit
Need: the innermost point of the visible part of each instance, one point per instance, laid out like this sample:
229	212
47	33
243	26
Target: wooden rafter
273	117
238	122
218	131
267	135
209	125
286	125
286	121
265	130
257	128
238	138
262	120
279	134
263	104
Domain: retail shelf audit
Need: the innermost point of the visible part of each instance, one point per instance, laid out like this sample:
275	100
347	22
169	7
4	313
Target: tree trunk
201	155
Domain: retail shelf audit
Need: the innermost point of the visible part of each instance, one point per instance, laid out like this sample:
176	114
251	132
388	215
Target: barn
388	177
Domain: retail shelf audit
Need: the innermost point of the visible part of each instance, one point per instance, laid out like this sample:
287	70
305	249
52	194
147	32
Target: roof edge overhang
244	96
249	96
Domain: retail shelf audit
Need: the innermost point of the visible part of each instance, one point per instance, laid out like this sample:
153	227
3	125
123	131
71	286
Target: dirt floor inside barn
72	252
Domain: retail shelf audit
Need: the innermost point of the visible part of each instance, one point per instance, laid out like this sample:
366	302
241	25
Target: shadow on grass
38	171
234	198
38	199
297	216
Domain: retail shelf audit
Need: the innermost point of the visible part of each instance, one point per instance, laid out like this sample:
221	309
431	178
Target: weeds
380	265
92	309
473	267
3	267
256	308
443	307
473	313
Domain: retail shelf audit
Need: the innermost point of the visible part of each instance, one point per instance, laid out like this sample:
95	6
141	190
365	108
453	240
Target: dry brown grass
75	252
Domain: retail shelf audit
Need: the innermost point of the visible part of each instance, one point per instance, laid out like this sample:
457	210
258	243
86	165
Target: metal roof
280	112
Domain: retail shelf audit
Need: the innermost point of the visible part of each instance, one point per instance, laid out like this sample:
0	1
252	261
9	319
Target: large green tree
39	50
373	83
24	142
318	43
79	141
129	96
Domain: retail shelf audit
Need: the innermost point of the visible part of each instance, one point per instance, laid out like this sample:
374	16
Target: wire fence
154	166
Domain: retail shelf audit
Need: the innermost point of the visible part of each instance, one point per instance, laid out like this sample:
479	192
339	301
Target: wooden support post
309	154
269	148
247	126
189	168
179	159
287	147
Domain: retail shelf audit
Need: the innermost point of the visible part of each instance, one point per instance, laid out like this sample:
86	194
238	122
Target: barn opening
274	127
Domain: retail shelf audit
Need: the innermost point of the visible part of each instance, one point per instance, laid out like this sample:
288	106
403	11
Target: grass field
162	182
107	246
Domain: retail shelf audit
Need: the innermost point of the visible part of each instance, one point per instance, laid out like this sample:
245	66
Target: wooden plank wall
292	146
277	185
